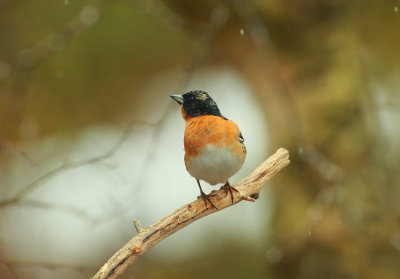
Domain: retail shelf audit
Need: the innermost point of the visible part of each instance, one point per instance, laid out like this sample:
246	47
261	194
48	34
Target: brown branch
187	214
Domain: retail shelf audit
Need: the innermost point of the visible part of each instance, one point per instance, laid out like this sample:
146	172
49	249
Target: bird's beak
177	98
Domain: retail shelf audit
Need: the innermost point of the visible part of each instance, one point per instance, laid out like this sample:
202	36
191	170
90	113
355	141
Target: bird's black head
197	103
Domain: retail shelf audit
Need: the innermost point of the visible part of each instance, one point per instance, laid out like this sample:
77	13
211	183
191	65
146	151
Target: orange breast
210	129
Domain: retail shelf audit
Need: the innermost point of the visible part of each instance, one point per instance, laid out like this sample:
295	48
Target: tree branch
248	187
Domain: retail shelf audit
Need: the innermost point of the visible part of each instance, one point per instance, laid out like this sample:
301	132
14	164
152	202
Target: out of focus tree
324	72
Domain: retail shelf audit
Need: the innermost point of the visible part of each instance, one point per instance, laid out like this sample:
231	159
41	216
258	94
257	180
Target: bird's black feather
198	103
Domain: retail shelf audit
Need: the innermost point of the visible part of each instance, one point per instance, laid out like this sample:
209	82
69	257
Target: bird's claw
207	198
247	198
228	188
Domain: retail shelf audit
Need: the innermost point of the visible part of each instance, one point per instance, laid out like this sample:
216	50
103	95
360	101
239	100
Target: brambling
214	148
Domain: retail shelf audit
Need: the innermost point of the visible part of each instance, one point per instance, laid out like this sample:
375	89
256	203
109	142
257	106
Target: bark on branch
187	214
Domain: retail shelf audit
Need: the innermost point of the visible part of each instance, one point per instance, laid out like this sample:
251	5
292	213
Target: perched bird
214	148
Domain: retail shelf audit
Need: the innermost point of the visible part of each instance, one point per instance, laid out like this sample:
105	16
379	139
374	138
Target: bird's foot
207	198
228	188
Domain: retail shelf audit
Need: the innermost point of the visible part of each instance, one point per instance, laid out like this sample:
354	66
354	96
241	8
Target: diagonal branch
187	214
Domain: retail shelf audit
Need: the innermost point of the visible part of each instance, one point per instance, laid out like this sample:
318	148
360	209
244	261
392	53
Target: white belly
214	165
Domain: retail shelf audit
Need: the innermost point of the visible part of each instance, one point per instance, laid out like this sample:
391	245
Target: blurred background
90	140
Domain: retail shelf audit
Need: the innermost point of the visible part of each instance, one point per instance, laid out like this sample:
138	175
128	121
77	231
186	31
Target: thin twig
80	213
138	226
187	214
67	166
8	146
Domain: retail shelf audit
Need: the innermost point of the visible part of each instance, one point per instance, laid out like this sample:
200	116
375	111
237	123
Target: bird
214	145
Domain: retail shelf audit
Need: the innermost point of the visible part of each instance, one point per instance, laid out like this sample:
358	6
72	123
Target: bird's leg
205	197
228	188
